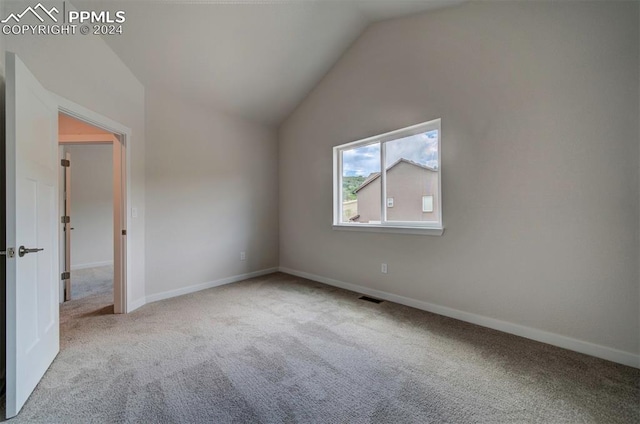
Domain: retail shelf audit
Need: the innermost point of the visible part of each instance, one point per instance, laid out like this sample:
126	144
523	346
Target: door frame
65	210
122	219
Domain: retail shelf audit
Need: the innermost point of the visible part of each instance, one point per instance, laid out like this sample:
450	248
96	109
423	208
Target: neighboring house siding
369	202
406	184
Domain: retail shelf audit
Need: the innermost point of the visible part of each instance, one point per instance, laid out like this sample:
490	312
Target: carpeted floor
280	349
92	281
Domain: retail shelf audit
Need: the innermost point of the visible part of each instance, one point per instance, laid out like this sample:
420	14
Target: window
390	182
427	203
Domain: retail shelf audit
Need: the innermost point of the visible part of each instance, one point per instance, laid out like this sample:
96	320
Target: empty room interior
359	211
86	193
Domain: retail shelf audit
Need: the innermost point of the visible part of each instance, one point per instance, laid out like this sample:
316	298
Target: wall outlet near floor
243	256
383	269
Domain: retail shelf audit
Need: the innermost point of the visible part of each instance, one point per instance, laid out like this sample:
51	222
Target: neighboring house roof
372	177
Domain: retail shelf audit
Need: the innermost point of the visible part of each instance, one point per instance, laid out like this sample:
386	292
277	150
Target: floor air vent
370	299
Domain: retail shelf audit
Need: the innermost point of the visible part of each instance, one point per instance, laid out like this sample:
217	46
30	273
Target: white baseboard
132	306
91	265
599	351
208	285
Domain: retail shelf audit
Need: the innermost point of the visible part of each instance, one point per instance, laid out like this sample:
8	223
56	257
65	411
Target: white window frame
385	226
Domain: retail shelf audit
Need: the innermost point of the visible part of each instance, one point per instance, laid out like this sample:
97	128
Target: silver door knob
23	251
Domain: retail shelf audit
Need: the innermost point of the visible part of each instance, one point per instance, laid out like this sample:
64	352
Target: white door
33	334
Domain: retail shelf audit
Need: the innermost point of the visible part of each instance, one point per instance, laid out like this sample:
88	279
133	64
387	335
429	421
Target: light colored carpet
92	281
280	349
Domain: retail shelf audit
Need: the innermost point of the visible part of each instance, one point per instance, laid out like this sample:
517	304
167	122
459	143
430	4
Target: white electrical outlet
243	256
384	268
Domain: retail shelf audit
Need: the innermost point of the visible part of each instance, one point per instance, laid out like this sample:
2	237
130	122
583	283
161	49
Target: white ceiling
257	59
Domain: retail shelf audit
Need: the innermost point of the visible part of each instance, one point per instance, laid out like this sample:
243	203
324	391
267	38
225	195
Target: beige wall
71	126
211	193
91	205
539	108
213	178
85	70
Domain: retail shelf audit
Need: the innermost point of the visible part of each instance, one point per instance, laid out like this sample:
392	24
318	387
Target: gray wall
212	187
539	107
213	178
91	205
85	70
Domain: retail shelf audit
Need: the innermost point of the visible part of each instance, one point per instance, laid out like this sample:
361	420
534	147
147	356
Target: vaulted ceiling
256	59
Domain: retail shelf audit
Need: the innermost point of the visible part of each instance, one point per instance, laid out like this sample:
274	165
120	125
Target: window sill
425	231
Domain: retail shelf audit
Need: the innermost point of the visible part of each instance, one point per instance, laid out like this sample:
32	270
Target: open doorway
91	198
33	323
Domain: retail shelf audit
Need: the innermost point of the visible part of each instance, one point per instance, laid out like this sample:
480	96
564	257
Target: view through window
403	192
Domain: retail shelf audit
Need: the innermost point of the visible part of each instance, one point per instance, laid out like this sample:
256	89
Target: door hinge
65	162
124	232
65	219
9	253
65	275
